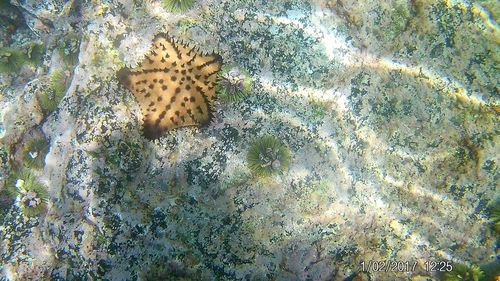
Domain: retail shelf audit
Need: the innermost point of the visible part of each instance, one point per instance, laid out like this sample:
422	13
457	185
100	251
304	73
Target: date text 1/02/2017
404	266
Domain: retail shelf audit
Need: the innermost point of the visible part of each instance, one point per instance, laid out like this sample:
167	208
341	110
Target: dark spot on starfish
199	109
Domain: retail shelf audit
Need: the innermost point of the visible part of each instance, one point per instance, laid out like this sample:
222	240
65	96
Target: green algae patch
462	272
11	60
50	98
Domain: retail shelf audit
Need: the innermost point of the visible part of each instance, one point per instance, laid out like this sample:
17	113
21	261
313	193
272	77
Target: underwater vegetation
12	59
462	272
35	53
53	94
31	195
495	216
233	83
267	156
491	270
178	6
34	152
68	47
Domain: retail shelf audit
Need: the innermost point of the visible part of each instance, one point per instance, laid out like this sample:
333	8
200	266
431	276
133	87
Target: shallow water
346	141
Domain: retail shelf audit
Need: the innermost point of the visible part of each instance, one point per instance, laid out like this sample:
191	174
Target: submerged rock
385	115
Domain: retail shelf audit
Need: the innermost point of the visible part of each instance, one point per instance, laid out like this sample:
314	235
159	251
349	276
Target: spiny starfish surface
174	85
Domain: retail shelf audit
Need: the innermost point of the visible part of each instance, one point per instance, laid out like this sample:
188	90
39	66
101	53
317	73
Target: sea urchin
177	6
495	215
268	156
31	194
233	83
34	152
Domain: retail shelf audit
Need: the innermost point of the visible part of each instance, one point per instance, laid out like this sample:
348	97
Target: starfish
174	85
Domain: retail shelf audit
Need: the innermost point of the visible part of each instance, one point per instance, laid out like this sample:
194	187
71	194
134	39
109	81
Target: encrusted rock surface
390	111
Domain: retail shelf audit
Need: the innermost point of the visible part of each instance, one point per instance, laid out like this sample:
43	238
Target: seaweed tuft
11	60
268	156
52	96
462	272
35	53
